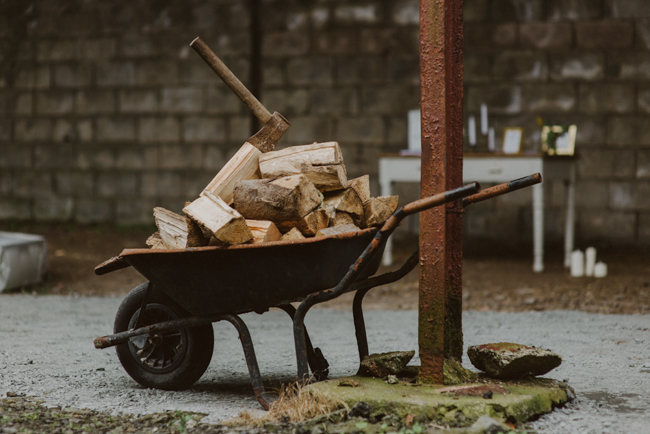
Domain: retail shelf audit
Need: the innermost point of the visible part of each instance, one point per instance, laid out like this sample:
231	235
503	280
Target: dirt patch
494	278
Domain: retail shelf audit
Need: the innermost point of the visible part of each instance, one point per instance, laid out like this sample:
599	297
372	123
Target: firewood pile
290	194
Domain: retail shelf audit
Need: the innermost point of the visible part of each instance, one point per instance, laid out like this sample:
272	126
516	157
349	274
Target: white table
498	168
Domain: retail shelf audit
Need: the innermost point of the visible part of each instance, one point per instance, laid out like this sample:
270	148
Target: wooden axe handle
231	80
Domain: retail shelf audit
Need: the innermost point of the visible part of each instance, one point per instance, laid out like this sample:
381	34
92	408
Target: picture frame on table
559	139
512	139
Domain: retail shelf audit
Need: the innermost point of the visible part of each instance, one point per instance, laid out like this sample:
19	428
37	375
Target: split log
362	186
322	163
336	230
214	214
293	234
287	198
263	231
177	231
243	165
378	209
343	218
155	241
345	200
310	224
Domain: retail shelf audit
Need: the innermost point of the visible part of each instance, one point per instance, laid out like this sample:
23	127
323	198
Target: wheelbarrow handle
440	198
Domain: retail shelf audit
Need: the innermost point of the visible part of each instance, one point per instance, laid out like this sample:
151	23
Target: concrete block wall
106	112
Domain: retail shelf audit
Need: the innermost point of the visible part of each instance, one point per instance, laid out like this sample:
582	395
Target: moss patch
524	400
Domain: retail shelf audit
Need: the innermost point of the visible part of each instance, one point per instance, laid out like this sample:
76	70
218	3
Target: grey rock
384	364
506	360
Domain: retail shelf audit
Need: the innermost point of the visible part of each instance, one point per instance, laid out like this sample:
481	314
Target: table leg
538	228
569	230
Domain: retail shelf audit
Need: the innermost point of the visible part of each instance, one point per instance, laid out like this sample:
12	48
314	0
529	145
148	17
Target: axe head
270	134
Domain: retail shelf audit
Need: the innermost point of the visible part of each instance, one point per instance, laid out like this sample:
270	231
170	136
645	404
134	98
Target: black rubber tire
178	359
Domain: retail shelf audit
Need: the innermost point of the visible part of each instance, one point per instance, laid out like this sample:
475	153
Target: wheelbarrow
163	330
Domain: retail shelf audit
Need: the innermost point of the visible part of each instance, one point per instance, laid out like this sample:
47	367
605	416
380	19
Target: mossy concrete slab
523	400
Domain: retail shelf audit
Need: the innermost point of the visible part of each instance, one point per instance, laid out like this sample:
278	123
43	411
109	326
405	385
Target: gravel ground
46	352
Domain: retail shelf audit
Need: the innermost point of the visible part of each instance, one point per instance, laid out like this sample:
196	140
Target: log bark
378	209
287	198
345	200
242	166
343	218
362	186
177	231
293	234
322	163
309	224
263	231
213	213
336	230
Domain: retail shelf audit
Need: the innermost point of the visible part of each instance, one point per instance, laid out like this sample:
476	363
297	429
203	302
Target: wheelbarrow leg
317	362
251	360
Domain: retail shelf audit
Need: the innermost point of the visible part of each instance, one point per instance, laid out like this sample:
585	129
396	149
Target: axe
274	124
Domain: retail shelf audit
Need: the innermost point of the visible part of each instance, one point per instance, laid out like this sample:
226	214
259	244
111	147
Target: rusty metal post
441	94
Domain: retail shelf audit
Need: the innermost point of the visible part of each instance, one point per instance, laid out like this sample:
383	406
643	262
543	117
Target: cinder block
502	99
634	9
95	101
404	69
643	164
56	50
72	75
94	210
182	99
138	101
546	35
273	73
643	98
65	131
204	128
23	104
15	156
137	47
54	103
60	156
222	100
74	183
358	14
334	101
628	65
157	72
521	65
366	130
339	41
490	36
630	195
644	227
573	10
517	10
606	164
391	41
158	129
599	34
361	69
289	102
117	184
115	128
162	184
592	194
593	131
239	129
576	65
53	208
285	44
389	99
628	130
31	184
550	98
477	67
308	129
32	77
15	208
397	132
98	48
615	226
129	158
607	98
135	211
310	70
181	156
32	129
643	33
115	73
475	10
98	157
405	12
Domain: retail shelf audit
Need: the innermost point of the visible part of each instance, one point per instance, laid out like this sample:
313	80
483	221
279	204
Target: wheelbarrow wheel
171	360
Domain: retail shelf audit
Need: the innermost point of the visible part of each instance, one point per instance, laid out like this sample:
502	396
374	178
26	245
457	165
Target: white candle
484	119
590	261
577	263
491	146
471	130
600	270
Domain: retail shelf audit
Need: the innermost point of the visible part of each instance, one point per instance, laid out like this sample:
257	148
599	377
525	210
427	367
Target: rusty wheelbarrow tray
169	346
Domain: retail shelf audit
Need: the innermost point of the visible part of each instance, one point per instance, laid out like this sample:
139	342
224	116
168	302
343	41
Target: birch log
177	231
242	166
